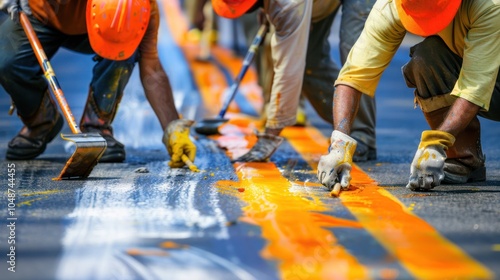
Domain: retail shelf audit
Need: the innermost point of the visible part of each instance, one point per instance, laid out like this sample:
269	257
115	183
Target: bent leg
433	71
20	72
105	93
354	14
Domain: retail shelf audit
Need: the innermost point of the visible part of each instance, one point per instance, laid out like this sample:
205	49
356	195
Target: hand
176	139
336	166
427	167
13	8
262	150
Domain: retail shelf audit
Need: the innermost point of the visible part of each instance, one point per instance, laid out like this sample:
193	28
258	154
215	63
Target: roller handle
48	72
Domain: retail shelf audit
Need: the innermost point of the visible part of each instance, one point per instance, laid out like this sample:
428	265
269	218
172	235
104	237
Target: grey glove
427	167
336	166
13	7
262	150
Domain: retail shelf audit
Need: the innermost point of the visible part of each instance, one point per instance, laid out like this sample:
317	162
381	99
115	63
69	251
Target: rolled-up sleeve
374	49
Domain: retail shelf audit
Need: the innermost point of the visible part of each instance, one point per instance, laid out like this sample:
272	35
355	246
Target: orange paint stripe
405	235
416	244
295	231
210	80
249	86
208	77
177	22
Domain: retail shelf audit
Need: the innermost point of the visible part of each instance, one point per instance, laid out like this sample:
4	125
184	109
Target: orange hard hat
426	17
115	28
232	8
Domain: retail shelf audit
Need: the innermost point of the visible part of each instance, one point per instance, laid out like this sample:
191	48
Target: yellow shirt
474	35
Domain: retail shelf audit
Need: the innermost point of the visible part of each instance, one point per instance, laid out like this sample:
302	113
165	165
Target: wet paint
48	192
412	241
30	201
249	89
293	225
495	247
111	216
146	252
307	249
172	245
234	141
211	81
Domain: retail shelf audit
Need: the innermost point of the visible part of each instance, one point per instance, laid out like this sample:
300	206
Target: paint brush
189	163
336	190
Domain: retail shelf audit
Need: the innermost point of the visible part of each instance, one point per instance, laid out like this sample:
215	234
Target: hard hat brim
232	10
428	25
110	50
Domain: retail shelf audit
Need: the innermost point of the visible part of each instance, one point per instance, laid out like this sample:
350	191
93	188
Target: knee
423	55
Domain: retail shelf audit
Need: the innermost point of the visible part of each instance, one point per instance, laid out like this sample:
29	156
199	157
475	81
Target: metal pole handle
254	47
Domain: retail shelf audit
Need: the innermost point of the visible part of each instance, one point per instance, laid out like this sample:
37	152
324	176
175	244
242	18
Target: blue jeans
23	79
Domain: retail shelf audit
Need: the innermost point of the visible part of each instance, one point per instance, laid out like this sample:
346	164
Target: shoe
23	147
39	130
96	121
364	153
115	151
458	173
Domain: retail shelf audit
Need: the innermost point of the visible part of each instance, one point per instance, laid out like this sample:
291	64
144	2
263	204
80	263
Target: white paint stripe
112	215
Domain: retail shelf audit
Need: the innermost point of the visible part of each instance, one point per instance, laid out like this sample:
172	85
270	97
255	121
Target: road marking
293	226
210	79
112	214
416	244
406	236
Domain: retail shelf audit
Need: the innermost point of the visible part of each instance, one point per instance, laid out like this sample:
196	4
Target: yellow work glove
427	167
336	166
176	139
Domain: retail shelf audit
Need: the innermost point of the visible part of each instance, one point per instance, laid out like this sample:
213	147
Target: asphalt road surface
142	220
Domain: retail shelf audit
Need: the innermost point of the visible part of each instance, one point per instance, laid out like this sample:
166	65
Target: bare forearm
459	116
345	107
158	92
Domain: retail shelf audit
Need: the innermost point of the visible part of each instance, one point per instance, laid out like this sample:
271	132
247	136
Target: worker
302	64
120	34
455	74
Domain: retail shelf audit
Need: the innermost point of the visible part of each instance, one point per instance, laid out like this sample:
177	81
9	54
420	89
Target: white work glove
176	139
336	166
427	167
262	150
13	7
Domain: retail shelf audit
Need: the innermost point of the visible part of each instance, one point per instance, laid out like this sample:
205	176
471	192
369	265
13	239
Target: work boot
465	159
95	121
363	152
39	129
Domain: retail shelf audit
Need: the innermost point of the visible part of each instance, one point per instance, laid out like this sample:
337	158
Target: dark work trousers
23	79
321	72
433	71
